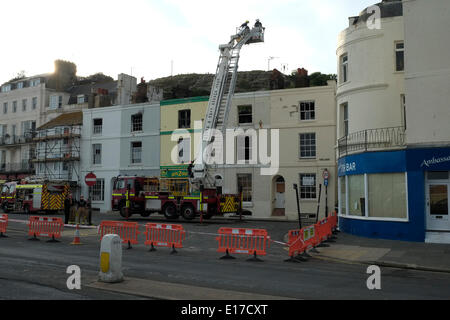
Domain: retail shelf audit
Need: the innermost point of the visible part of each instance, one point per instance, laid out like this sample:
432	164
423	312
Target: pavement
388	253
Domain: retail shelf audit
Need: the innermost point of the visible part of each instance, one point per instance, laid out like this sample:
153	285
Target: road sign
325	174
325	182
90	179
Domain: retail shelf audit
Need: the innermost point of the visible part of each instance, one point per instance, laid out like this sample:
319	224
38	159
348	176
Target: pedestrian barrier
164	235
333	221
296	245
3	225
127	231
243	241
44	226
323	229
311	238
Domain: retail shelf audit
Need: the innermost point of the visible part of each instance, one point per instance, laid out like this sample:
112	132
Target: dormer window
6	88
81	99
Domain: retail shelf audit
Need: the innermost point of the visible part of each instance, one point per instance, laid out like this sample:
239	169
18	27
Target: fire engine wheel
123	212
5	208
170	211
188	212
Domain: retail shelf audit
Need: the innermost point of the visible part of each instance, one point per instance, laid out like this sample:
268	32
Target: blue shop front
398	195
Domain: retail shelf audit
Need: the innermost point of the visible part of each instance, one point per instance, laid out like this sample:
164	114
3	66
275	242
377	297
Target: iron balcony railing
24	167
9	140
372	139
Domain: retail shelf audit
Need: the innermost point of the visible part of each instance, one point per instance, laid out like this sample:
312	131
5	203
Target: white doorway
279	201
437	189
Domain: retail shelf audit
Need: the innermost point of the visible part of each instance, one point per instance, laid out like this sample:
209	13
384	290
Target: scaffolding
58	153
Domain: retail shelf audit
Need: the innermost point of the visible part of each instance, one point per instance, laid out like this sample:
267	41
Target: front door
279	205
438	207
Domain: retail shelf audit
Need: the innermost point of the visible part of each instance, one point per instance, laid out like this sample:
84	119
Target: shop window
387	195
343	196
356	196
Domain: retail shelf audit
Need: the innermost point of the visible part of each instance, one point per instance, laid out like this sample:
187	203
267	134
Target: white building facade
298	129
21	104
120	140
391	109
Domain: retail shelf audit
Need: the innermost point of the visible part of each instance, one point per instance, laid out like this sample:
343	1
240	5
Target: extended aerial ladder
221	95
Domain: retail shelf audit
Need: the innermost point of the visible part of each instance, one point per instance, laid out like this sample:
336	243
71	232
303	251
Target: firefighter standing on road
82	211
68	202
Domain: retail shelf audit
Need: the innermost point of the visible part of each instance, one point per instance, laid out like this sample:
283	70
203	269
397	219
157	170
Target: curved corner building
393	113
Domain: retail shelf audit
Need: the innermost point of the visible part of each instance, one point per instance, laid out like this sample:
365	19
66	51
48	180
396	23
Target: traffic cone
76	239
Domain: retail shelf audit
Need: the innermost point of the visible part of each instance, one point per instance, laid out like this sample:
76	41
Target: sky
155	38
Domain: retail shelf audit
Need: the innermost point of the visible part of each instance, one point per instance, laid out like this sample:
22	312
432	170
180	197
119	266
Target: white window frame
94	155
307	104
81	99
97	129
250	178
184	118
99	184
134	152
300	146
312	187
344	76
135	124
53	102
396	58
242	148
245	114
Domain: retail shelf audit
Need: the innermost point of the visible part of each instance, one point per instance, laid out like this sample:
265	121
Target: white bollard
111	259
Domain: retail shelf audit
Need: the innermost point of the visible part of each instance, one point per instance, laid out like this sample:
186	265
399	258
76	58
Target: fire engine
170	197
35	196
197	195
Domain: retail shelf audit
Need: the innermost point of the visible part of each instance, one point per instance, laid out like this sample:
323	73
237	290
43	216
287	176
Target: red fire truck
34	196
170	197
